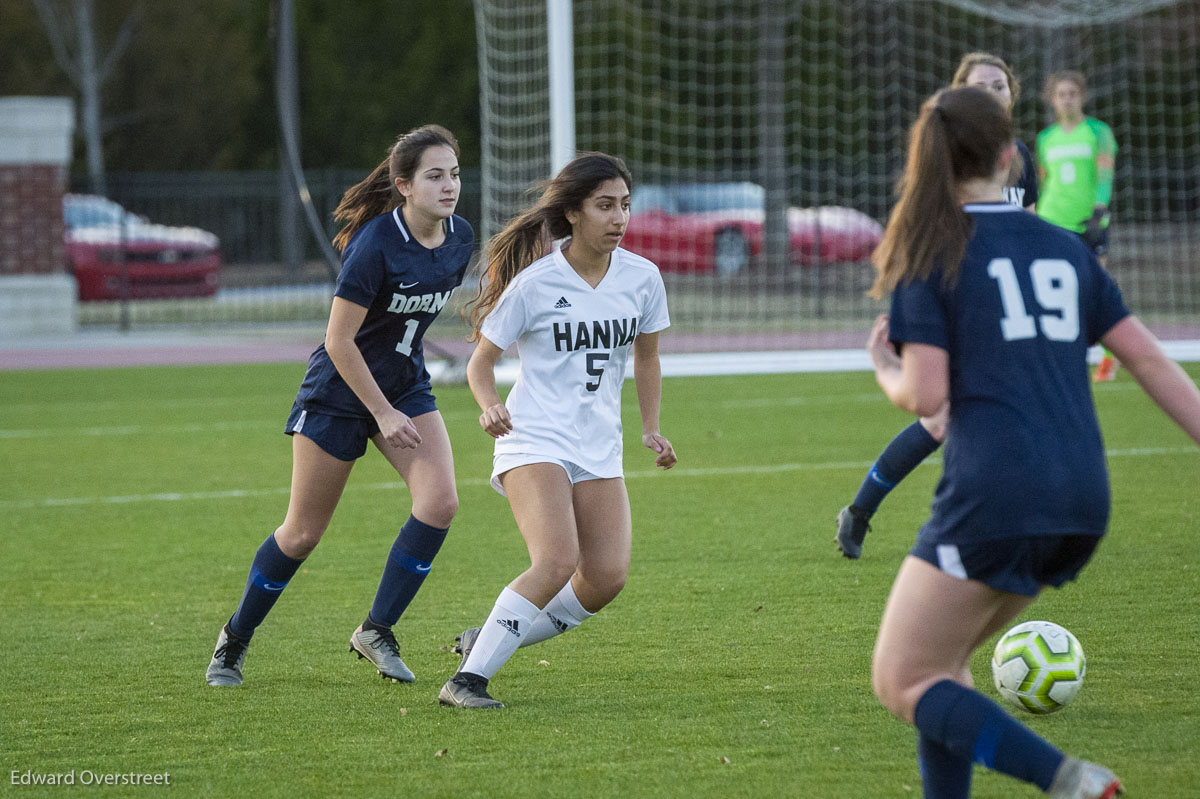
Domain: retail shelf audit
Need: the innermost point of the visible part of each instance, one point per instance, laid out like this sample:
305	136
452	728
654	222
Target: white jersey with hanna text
574	342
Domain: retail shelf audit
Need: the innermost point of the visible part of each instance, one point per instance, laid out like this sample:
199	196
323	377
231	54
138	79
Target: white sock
561	614
510	620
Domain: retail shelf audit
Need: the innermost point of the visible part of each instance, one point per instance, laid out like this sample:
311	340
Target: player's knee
439	510
882	685
299	540
604	583
890	684
899	690
966	679
556	569
893	694
936	427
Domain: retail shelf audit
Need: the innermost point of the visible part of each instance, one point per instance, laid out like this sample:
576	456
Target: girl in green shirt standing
1075	168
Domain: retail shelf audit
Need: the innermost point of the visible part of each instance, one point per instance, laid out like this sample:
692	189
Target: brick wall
31	218
37	296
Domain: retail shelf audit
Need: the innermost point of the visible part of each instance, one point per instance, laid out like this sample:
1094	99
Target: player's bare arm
647	377
481	377
1162	378
918	382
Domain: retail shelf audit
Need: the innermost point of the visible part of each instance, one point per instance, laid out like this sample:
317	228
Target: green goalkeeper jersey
1074	183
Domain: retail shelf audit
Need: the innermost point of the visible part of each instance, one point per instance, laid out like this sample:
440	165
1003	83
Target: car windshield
694	198
94	212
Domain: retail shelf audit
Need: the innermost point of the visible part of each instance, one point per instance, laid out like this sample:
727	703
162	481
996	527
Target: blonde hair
971	60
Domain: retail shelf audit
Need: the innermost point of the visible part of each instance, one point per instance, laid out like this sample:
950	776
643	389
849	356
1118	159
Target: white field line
475	482
129	430
270	425
65	406
867	397
277	423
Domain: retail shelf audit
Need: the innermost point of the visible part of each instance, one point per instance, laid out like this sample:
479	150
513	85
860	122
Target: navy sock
269	575
971	726
903	453
408	563
944	775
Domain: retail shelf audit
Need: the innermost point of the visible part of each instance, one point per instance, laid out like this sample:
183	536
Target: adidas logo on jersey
562	303
512	625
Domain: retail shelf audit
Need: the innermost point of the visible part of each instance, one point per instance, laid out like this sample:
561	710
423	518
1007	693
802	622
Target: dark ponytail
377	193
531	234
958	136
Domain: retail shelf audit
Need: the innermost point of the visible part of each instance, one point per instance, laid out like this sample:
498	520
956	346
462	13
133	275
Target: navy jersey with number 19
403	285
1023	451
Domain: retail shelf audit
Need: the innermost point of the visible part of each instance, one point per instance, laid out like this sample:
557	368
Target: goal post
808	104
561	66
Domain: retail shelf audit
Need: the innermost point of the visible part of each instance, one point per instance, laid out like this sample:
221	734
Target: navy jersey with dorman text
403	285
1023	454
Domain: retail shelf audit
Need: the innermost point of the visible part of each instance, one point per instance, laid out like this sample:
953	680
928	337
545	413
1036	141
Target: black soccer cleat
852	528
467	690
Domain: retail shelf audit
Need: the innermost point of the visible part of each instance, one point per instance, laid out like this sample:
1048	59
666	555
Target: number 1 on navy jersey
1056	289
404	345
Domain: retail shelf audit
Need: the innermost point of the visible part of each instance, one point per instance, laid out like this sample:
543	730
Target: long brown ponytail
377	193
530	234
958	136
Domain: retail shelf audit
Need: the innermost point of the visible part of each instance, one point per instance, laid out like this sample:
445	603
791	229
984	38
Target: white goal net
731	108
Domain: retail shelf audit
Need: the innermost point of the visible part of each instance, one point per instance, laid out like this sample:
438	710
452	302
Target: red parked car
104	242
718	228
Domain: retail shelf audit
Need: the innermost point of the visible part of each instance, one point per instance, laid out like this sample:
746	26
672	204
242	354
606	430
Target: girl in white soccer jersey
993	310
403	254
575	314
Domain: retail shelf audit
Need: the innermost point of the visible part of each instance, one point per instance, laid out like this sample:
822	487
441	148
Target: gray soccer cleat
467	690
225	669
384	653
1079	779
464	642
852	528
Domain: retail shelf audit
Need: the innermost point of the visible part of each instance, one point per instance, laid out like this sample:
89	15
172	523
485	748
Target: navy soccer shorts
346	437
1013	565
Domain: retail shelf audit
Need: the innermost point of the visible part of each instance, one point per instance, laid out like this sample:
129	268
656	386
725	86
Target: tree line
192	86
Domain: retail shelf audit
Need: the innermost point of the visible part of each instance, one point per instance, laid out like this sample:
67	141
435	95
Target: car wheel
731	252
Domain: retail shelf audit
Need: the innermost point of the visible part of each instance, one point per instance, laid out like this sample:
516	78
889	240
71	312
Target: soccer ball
1038	666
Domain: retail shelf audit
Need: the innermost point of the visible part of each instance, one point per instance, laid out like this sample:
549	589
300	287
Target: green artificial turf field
735	663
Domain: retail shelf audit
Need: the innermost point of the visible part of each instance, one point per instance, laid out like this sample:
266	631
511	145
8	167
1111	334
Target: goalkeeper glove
1093	227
